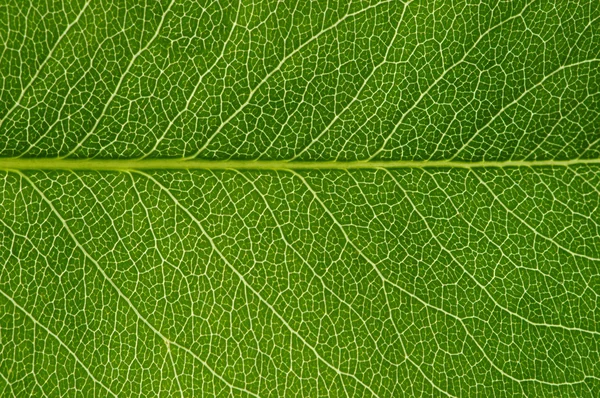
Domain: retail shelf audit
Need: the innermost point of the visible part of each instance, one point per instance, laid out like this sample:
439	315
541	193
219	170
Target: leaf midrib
174	164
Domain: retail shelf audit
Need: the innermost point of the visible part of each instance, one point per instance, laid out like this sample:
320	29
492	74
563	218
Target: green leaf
300	198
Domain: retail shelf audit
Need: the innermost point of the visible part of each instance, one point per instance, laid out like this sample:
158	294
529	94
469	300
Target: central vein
172	164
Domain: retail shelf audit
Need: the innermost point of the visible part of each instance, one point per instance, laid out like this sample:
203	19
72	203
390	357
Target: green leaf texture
300	198
301	80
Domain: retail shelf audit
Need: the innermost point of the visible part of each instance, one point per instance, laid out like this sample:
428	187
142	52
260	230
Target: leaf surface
312	198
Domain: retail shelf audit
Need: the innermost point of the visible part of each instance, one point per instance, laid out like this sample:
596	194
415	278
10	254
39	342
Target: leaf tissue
263	198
